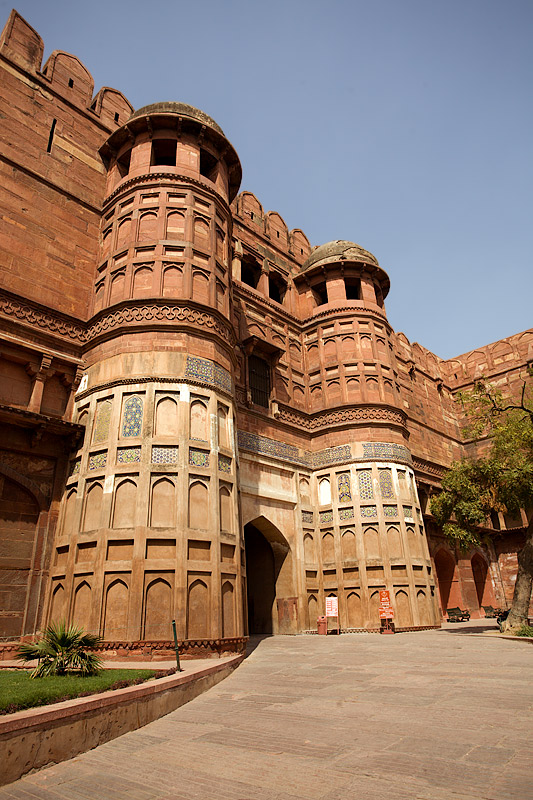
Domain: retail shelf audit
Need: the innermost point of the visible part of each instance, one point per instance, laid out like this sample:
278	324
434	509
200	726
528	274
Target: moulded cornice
131	313
51	322
162	379
342	416
161	177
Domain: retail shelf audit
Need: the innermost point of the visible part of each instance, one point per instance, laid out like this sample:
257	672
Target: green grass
523	630
19	691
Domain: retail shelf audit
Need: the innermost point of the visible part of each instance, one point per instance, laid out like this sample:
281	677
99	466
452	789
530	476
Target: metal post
176	645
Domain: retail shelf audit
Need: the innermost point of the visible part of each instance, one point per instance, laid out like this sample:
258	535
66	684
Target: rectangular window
259	376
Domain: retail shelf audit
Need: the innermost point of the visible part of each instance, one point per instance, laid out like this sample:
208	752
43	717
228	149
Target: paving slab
429	715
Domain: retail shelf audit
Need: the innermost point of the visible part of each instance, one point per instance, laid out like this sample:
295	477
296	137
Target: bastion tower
150	520
367	532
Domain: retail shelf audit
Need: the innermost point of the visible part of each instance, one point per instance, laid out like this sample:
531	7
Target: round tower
150	523
367	533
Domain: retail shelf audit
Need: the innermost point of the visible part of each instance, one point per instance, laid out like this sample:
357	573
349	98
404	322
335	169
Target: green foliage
501	480
19	691
523	630
62	649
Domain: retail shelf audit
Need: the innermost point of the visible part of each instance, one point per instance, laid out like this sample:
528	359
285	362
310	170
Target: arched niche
81	607
116	611
354	611
225	509
198	610
200	286
402	609
198	420
58	604
328	548
395	542
166	417
93	507
425	612
312	611
143	282
228	609
198	505
223	427
69	516
371	542
482	581
309	549
163	504
349	546
147	231
124	506
324	492
157	623
173	282
447	578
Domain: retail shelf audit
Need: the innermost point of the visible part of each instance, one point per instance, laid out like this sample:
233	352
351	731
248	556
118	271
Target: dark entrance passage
260	571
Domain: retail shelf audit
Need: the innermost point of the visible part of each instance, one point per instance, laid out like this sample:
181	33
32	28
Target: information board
332	606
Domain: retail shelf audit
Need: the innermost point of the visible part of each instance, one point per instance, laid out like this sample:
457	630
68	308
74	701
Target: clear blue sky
403	125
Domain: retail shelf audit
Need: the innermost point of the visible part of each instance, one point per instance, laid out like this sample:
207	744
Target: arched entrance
485	596
271	608
450	593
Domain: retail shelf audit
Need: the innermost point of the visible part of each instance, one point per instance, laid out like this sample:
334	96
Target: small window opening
495	521
277	234
123	163
70	83
250	272
259	377
276	288
301	251
353	288
320	293
164	153
208	165
51	136
116	116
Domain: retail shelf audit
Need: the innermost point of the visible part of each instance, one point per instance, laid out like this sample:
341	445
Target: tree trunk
518	615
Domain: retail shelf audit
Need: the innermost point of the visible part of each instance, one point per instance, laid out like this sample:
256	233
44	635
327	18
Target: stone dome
338	250
180	109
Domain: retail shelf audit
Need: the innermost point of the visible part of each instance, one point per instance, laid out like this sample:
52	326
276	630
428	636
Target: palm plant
62	649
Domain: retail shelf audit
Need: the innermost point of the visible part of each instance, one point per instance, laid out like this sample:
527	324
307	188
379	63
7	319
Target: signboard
332	606
385	609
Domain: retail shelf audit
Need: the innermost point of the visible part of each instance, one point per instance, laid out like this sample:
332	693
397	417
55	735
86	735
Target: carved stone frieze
341	416
150	313
28	314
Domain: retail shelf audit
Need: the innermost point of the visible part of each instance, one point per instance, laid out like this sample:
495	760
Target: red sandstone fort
202	416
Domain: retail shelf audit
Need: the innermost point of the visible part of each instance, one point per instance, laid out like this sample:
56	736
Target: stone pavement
431	715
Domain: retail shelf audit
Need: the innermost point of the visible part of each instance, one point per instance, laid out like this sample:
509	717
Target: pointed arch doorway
270	605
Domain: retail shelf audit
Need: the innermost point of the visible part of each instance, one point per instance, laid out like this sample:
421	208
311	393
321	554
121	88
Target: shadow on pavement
254	641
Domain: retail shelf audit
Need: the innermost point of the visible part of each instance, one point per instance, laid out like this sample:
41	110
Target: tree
500	479
62	649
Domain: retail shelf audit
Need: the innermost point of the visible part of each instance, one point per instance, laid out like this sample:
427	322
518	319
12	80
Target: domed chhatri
180	109
338	250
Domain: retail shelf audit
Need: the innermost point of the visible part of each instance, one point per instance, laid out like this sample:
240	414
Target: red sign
385	609
332	606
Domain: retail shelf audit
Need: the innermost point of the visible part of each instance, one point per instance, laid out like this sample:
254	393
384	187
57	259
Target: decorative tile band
390	511
325	516
97	461
128	455
224	463
386	450
75	467
346	513
208	372
270	447
308	517
198	458
408	513
165	455
369	511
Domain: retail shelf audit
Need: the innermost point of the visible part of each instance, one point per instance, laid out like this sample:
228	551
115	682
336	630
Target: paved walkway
433	715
